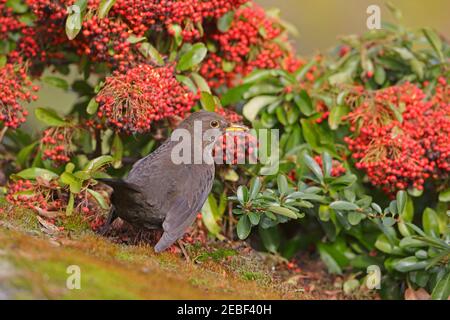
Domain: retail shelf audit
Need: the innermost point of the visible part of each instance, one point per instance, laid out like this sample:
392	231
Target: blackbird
160	193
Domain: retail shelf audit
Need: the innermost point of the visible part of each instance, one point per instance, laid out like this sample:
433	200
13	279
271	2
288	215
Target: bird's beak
234	127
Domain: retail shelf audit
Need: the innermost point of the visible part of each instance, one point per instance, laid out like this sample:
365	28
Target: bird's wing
184	205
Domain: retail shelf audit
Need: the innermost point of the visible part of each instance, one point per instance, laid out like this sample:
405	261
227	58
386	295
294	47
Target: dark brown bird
162	193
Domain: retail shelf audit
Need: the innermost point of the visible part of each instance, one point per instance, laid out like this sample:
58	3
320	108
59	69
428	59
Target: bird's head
210	121
200	131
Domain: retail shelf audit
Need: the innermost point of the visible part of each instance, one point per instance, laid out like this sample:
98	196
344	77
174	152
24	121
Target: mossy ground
34	262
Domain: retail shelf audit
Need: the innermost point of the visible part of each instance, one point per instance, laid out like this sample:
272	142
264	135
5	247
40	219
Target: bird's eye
214	124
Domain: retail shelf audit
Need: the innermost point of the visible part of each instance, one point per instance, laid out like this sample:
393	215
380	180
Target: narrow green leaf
313	166
104	8
343	205
99	198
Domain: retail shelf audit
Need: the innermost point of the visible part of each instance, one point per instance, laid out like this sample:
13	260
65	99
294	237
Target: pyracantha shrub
248	44
401	137
16	89
131	102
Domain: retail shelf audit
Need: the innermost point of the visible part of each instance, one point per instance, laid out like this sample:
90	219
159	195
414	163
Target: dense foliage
364	154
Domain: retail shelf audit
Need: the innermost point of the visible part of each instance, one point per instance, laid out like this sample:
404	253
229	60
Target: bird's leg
183	249
111	217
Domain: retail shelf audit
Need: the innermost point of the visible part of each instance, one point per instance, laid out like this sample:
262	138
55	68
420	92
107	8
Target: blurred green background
320	22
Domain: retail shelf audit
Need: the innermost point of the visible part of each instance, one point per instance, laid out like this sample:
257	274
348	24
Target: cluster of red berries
15	88
230	115
35	195
40	44
400	138
131	102
8	22
191	15
106	40
247	45
55	144
337	169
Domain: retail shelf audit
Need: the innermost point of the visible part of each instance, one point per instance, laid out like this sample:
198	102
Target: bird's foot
183	250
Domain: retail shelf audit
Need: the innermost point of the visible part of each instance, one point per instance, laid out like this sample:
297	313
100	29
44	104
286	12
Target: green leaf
224	22
234	95
207	101
243	227
133	39
380	75
74	183
33	173
73	22
388	221
430	222
201	83
442	289
402	198
328	257
409	264
343	205
150	52
97	163
271	238
49	117
255	105
283	211
117	151
255	187
99	198
327	164
444	196
24	154
177	34
435	42
313	166
354	218
304	103
336	114
254	218
208	216
17	6
104	7
56	82
3	60
282	184
383	244
192	57
92	106
242	194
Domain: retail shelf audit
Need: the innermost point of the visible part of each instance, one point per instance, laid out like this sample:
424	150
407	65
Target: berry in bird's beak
233	127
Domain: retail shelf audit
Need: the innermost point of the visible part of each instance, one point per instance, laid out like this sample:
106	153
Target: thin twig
2	133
